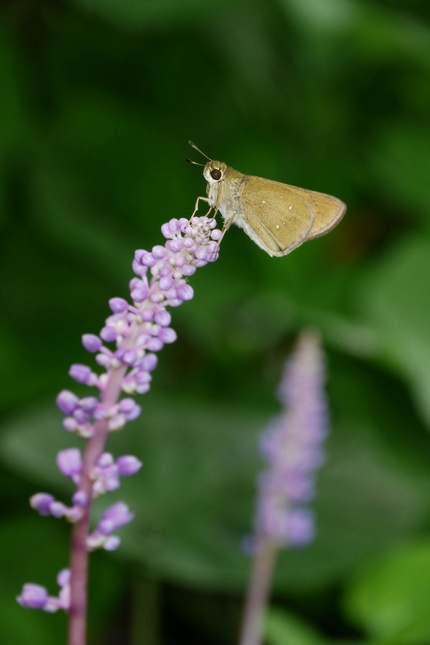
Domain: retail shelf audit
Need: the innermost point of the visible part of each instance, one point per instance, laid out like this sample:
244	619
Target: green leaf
395	300
401	159
135	13
390	598
16	118
26	559
283	628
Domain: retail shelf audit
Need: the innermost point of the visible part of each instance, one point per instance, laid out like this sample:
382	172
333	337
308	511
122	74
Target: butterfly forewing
274	214
328	211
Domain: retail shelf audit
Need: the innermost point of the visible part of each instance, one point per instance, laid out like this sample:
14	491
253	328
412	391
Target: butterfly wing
274	215
328	211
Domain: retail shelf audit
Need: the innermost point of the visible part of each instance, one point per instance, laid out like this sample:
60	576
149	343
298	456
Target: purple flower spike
126	354
292	449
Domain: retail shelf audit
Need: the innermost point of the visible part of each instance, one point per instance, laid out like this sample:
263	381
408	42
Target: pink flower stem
78	550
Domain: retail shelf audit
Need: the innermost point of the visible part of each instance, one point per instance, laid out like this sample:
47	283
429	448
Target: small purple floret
41	502
114	517
69	462
91	342
118	305
33	596
67	401
36	597
80	373
128	465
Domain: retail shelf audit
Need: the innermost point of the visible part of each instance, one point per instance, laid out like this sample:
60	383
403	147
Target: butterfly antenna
195	163
193	145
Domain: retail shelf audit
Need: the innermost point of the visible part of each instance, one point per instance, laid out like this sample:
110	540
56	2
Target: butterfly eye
216	174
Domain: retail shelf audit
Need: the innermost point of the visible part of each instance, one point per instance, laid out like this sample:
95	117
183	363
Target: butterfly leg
196	207
226	226
214	212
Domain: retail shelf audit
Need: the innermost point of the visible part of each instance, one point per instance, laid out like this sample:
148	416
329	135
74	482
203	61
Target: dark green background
98	99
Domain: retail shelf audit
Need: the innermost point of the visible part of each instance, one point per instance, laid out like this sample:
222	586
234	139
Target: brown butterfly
277	217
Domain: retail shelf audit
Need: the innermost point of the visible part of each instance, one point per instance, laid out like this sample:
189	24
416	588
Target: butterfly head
214	172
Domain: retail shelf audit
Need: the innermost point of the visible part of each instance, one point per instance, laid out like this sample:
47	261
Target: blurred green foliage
98	99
